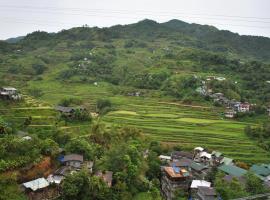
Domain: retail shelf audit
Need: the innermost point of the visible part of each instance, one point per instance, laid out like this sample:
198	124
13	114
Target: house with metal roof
232	170
199	183
262	171
36	184
199	170
226	161
73	160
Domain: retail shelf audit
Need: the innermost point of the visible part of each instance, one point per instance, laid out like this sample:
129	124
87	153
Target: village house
36	184
68	111
10	93
199	183
106	177
217	157
232	170
205	157
73	160
206	193
199	170
262	171
227	161
39	189
176	155
230	114
164	158
174	178
242	107
182	163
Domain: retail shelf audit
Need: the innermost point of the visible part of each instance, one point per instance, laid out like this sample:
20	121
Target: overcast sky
19	17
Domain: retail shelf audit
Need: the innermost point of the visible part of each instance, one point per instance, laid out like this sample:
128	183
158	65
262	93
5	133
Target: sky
19	17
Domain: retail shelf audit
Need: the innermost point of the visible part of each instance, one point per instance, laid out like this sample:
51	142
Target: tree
229	190
103	105
253	184
81	146
39	68
80	186
4	128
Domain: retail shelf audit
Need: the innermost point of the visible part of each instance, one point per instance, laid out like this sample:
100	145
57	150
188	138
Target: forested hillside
145	55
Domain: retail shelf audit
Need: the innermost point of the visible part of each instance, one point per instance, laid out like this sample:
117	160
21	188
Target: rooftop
232	170
181	154
197	166
207	191
176	172
216	154
183	162
64	109
36	184
73	157
9	88
262	170
227	161
197	183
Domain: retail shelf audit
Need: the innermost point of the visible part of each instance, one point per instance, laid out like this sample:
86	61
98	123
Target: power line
136	11
189	17
56	23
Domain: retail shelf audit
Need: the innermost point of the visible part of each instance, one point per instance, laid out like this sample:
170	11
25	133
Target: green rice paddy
160	119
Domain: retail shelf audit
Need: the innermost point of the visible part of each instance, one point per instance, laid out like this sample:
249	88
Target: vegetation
96	69
261	134
236	189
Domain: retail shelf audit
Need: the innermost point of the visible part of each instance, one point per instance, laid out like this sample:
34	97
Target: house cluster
232	105
10	93
41	188
185	171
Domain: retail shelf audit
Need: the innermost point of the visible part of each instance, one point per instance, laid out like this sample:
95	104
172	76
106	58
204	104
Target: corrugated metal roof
73	157
198	183
37	184
232	170
261	170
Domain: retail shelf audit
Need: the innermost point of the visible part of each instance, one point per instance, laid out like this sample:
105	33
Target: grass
169	122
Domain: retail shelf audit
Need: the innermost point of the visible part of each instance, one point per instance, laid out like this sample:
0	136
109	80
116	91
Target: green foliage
35	92
231	190
254	185
39	68
181	87
81	146
103	105
9	189
4	127
235	189
80	186
16	152
260	133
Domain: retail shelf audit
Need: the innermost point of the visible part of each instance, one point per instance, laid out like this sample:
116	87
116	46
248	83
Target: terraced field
188	126
161	119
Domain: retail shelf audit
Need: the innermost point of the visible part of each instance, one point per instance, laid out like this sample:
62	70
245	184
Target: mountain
14	39
144	55
189	35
